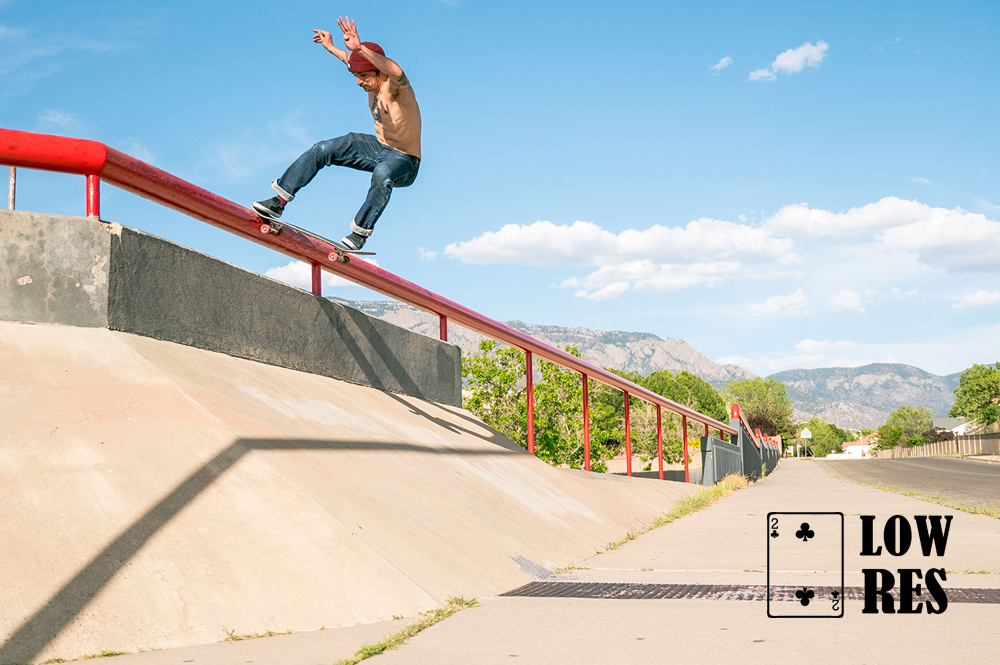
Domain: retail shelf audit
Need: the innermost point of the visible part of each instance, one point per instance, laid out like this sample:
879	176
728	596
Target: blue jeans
389	168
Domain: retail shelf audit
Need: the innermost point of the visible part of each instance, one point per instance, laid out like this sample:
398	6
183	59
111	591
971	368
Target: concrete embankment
158	494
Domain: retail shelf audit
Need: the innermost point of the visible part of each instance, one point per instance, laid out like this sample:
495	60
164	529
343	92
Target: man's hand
326	39
351	39
323	37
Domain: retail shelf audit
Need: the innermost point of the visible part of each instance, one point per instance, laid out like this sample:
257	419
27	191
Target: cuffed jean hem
280	192
360	231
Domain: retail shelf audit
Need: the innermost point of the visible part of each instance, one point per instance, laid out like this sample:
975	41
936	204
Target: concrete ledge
82	272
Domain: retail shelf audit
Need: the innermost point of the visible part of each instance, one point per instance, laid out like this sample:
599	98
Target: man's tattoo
375	110
402	82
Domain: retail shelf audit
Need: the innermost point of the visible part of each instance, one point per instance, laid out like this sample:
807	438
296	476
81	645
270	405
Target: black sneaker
353	241
270	209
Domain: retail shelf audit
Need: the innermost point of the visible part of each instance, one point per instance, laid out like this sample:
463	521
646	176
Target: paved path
724	544
966	481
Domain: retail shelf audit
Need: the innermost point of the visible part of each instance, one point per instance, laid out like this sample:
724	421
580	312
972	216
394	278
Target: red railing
99	162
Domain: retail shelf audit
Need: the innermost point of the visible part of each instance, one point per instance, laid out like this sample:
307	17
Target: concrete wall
155	494
78	271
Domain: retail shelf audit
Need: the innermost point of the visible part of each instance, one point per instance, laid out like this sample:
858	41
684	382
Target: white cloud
980	298
659	258
299	274
899	240
790	305
812	346
721	64
257	149
67	121
427	254
26	57
846	301
952	353
924	181
793	61
612	290
951	239
762	75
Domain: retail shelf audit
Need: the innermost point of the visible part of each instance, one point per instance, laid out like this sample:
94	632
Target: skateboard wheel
333	257
265	228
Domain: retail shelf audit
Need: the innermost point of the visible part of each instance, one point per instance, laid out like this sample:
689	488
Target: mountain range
643	353
850	397
855	397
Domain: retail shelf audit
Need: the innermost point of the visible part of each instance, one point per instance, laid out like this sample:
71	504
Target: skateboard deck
340	252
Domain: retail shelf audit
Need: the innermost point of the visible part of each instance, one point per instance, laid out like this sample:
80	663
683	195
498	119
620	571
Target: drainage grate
619	591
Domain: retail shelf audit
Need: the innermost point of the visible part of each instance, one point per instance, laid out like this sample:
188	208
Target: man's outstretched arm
326	39
382	63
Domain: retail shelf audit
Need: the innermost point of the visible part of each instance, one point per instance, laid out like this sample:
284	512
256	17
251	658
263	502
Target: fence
751	454
99	162
966	444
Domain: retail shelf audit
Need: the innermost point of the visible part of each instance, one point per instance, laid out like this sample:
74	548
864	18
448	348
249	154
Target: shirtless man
392	155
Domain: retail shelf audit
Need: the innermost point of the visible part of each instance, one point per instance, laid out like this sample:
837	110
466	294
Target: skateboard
339	253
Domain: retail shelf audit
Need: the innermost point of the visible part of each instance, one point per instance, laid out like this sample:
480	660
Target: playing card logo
805	533
804	595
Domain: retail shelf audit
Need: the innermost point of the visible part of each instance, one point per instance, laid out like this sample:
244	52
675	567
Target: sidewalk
722	544
726	544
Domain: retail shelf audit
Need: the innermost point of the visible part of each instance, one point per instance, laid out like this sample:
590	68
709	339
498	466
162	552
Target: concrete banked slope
156	494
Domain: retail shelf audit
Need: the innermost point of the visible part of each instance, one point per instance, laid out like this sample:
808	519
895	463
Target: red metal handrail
98	162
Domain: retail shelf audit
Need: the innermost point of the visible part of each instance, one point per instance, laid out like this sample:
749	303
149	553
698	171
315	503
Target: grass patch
231	635
570	567
427	620
54	660
948	503
105	653
689	504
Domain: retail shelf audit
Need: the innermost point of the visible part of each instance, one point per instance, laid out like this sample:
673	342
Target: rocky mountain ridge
850	397
855	397
630	351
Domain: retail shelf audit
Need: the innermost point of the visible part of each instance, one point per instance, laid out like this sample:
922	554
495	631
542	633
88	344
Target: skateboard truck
270	227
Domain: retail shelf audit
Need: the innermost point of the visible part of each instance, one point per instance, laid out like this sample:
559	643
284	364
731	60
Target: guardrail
98	162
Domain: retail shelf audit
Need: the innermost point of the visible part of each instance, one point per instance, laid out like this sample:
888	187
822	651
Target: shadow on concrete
495	436
45	625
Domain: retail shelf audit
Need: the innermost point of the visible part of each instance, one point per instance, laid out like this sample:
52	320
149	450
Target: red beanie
358	64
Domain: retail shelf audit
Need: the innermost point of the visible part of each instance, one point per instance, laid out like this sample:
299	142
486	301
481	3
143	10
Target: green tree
887	437
915	421
766	398
559	418
977	396
685	388
826	437
495	392
495	388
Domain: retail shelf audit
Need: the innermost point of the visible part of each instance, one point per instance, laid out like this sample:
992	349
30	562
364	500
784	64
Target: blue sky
780	185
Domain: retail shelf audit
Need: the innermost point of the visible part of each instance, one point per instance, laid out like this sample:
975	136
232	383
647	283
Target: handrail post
12	188
586	425
659	439
94	196
684	426
628	438
317	279
444	328
531	403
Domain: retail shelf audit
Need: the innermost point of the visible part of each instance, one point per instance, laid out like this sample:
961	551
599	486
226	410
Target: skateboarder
392	155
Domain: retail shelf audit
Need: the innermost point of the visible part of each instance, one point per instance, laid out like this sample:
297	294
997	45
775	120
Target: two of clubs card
805	565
